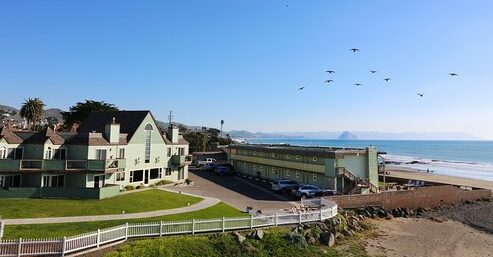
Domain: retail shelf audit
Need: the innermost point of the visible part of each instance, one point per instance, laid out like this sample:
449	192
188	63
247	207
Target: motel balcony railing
109	165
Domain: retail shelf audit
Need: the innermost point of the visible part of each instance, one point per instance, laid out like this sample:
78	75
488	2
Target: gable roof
9	136
33	137
129	121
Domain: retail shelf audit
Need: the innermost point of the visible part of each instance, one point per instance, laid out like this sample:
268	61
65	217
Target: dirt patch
427	238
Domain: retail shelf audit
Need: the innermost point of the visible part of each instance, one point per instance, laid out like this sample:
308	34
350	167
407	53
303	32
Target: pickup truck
206	161
307	191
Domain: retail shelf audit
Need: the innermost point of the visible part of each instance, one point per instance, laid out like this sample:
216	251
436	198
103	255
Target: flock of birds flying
354	50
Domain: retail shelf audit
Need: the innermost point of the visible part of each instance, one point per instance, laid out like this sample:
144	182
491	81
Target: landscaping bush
129	188
163	182
188	181
140	186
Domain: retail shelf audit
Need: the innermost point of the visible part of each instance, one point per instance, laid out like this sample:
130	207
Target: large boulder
239	237
327	238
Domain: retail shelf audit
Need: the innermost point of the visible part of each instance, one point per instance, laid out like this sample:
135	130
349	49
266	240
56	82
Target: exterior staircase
356	182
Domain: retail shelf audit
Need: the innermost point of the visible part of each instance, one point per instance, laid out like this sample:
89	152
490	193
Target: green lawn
68	229
150	200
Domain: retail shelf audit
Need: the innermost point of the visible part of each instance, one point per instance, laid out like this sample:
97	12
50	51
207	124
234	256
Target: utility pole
170	118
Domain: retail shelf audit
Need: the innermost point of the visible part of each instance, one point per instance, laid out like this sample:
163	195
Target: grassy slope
149	200
273	244
68	229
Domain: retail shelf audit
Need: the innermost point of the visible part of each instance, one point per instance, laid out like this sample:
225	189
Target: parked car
223	170
206	161
209	166
284	185
306	191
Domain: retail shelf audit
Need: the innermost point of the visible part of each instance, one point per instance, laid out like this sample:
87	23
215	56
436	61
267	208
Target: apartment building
347	170
110	150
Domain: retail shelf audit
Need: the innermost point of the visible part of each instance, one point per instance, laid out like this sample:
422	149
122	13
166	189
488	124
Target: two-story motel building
110	150
347	170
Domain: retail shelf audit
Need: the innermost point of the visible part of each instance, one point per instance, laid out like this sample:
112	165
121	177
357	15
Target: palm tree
32	110
222	123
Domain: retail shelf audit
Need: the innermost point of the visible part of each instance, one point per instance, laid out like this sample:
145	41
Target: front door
146	177
98	181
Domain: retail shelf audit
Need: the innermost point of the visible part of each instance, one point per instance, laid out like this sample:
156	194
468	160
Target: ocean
468	159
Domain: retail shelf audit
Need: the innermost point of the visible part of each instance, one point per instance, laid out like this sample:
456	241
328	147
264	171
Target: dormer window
49	153
148	134
3	152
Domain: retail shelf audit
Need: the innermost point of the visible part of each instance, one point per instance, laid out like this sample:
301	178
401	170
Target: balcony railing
9	165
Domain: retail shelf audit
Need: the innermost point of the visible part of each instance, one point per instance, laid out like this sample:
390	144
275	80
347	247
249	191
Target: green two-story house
109	151
347	170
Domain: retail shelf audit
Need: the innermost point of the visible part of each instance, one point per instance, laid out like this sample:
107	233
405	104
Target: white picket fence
68	245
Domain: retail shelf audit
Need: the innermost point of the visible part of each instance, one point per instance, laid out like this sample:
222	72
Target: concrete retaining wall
425	197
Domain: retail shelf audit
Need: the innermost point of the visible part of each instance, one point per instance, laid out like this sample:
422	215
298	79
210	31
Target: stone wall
425	197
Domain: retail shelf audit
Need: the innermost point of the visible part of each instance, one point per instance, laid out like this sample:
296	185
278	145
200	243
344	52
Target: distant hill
51	112
346	135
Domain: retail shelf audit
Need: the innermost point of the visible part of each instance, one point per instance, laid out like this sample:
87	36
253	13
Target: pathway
206	203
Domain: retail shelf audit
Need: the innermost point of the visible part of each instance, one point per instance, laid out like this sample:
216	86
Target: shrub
129	188
163	182
188	181
140	186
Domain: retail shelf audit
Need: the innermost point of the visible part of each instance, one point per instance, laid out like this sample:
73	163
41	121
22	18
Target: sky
243	61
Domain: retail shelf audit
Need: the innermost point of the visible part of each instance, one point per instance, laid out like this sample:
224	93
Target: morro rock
346	135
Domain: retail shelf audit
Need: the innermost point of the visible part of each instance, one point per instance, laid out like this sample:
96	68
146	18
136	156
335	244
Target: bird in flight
329	80
354	50
453	74
330	71
301	88
420	94
387	79
358	84
373	71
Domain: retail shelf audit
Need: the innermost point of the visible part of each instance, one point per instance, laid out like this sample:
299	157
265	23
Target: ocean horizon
460	158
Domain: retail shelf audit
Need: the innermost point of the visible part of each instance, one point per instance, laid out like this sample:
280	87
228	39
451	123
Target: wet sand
410	174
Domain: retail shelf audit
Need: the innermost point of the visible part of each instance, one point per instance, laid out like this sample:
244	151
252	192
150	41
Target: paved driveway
236	191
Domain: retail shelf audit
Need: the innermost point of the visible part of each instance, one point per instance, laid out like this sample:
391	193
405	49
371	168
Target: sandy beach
410	174
426	238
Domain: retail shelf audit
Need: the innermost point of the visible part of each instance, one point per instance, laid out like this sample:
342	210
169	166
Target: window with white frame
100	154
167	172
120	176
53	180
314	178
49	153
154	174
3	152
297	157
136	176
148	135
121	154
288	173
314	158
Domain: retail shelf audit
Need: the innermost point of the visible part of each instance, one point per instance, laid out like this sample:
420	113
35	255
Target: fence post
224	223
193	226
19	246
64	245
161	228
251	221
299	217
126	231
321	212
2	227
98	238
277	219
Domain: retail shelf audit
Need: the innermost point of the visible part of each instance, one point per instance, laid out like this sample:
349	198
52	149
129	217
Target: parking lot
238	191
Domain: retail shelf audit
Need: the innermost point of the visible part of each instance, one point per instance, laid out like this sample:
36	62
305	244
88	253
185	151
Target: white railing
93	240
